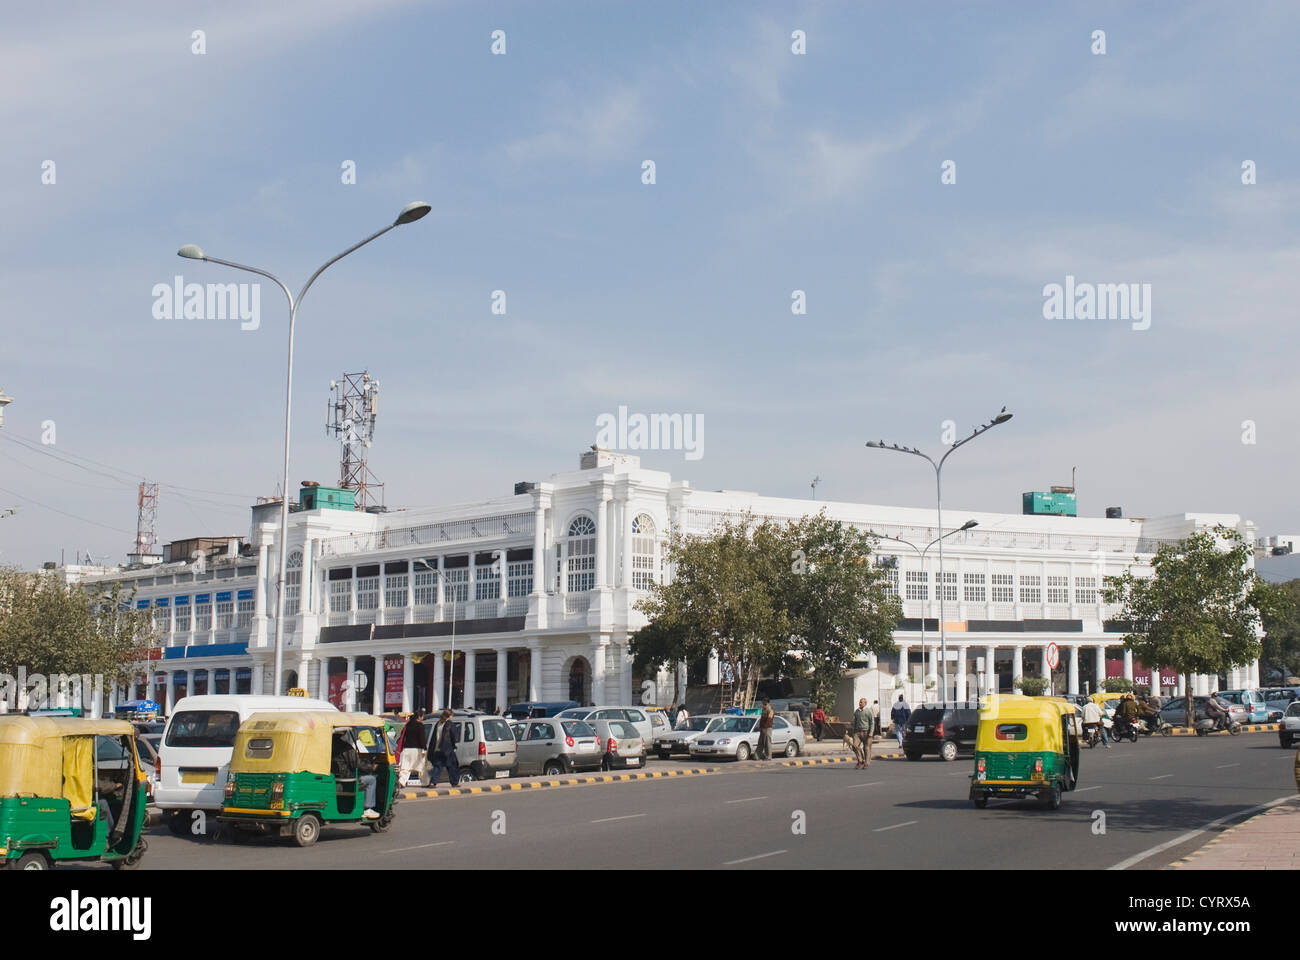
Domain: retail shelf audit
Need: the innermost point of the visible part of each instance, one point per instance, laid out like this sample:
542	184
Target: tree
1199	610
1031	686
51	628
1117	685
1282	630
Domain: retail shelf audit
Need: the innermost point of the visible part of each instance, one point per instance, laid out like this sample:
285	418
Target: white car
1289	731
737	736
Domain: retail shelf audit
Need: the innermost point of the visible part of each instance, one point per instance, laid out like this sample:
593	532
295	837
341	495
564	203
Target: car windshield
578	728
699	723
203	728
737	725
574	713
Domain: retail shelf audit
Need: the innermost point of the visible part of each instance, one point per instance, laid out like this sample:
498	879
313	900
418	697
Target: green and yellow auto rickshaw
1026	747
293	772
70	789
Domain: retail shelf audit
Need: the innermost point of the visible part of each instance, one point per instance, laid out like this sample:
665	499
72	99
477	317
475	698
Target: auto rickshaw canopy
1011	722
52	756
297	741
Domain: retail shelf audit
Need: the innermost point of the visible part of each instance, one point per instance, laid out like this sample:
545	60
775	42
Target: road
895	814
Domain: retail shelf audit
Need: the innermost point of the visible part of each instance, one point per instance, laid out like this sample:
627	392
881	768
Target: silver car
679	741
556	745
621	744
738	737
648	722
485	747
1289	731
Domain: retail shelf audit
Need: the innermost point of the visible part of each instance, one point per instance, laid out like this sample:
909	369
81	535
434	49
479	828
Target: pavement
1267	841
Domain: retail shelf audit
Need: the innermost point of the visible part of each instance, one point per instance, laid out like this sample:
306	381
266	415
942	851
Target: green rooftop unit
327	498
1049	504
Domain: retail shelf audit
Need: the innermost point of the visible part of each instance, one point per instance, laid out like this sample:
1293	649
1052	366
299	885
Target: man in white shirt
682	717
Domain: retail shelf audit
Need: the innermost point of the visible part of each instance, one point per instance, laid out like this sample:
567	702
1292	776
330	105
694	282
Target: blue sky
775	172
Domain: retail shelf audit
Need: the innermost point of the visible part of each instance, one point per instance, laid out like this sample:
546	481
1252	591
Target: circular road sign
1053	655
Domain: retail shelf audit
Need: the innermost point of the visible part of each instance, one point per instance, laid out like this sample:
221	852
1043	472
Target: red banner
393	680
335	695
1141	675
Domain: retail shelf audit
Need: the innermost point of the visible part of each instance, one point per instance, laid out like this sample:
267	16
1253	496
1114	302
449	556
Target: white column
539	549
1128	664
625	534
598	671
503	677
534	670
171	693
902	663
1155	682
1254	674
349	679
469	586
961	674
254	678
259	591
990	670
408	682
379	673
471	667
352	586
1043	668
713	667
439	679
602	538
1099	669
1018	662
1073	682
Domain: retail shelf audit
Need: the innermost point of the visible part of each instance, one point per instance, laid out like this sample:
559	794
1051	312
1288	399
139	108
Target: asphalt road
895	814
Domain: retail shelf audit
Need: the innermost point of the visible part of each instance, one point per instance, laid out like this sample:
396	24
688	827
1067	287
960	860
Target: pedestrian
411	746
875	718
819	722
764	751
899	716
672	715
862	721
442	752
682	717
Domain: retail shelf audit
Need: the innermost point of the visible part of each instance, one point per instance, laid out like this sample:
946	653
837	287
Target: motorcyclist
1150	712
1216	712
1126	713
1092	722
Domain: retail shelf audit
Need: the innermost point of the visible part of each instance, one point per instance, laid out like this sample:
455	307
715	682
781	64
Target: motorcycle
1123	728
1155	725
1092	734
1208	726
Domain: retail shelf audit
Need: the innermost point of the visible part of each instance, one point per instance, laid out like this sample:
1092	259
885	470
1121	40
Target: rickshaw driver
349	763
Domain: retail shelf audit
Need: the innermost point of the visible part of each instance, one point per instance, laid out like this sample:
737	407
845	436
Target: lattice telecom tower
146	540
350	415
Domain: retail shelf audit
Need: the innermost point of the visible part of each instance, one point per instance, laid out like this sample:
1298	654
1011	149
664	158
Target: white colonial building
535	593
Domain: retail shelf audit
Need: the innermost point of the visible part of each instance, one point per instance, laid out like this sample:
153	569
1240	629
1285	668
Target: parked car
485	745
649	724
668	742
737	737
537	708
620	742
1290	730
1252	700
1277	699
943	730
554	745
1175	710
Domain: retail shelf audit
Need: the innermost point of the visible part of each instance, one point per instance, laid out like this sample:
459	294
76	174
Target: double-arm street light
409	214
1002	417
920	553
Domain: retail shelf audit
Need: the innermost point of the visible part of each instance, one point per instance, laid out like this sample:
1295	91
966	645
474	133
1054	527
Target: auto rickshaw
283	774
70	789
1026	747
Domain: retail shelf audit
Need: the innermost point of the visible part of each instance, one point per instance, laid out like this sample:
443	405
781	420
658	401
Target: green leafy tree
1117	685
1282	630
1031	686
52	628
1199	611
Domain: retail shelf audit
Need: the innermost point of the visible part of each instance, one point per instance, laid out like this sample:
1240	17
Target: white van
194	755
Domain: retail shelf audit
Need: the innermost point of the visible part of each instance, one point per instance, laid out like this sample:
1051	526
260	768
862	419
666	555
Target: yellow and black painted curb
1245	728
1200	850
429	793
838	759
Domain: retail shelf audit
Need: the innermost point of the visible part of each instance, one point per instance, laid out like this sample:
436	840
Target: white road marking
1085	789
894	827
1225	766
1162	776
1193	834
774	853
440	843
746	799
873	783
630	816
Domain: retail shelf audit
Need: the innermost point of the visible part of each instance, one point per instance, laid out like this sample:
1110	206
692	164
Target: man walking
442	752
875	718
411	746
764	751
819	722
862	721
899	716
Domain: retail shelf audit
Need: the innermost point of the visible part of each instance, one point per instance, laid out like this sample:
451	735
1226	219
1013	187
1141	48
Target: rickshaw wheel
1054	797
981	803
383	823
30	861
306	831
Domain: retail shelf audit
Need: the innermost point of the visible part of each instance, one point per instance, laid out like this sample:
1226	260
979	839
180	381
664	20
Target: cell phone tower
146	518
351	412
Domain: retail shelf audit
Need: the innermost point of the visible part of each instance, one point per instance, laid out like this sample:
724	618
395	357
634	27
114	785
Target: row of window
238	613
1001	587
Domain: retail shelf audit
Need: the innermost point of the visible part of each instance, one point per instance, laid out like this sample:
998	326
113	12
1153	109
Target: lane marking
747	799
873	783
1162	776
894	827
774	853
1085	789
1193	834
1225	766
630	816
440	843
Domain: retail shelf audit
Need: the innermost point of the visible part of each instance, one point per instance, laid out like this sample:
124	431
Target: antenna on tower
146	540
352	410
815	480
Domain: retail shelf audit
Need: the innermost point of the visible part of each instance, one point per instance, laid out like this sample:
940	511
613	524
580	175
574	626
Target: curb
431	793
1245	728
1202	849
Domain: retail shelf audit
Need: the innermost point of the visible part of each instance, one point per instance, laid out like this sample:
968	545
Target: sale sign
394	676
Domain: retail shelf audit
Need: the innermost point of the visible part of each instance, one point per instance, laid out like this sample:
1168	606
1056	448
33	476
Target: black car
945	730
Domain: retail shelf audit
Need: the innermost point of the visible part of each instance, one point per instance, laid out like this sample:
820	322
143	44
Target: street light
921	555
408	214
1002	417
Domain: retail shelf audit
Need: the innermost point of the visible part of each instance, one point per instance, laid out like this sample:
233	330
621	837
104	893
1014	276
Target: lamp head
1002	416
412	212
191	251
970	523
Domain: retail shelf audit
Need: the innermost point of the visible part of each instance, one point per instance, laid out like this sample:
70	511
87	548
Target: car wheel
742	752
30	861
179	823
554	769
792	748
912	754
948	750
664	754
467	775
307	830
1285	740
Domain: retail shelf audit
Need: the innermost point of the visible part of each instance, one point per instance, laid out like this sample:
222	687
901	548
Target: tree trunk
1190	714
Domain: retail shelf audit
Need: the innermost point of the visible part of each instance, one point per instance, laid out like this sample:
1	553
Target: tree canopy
1282	630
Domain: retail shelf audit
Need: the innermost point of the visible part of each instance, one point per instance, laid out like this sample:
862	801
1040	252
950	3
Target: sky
774	172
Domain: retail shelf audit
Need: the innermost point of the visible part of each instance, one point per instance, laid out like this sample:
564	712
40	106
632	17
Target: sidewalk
1267	841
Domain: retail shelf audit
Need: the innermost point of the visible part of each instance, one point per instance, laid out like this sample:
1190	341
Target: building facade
532	596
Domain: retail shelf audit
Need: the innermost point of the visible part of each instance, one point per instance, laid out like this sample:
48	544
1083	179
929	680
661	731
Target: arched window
293	584
579	688
582	554
643	552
